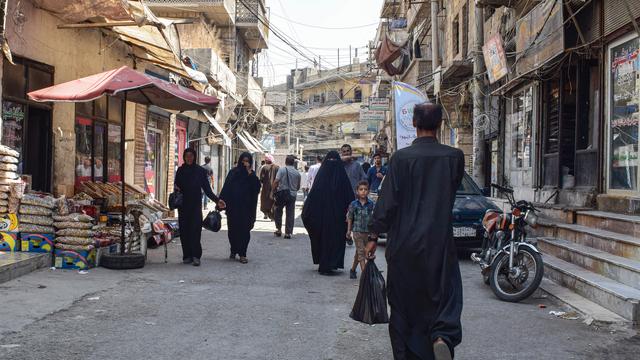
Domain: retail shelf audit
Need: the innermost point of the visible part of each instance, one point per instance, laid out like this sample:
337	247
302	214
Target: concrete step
592	313
610	294
614	267
16	264
614	243
619	223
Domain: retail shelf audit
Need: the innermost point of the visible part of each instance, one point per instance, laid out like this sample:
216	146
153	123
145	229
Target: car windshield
468	187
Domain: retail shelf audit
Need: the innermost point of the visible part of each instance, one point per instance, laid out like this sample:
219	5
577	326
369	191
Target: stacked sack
11	187
35	213
107	235
74	232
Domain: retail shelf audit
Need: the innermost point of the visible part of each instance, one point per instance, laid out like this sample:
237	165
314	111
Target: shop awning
139	88
216	125
247	144
254	141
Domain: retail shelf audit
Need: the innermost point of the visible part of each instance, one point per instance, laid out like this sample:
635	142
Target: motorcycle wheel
530	271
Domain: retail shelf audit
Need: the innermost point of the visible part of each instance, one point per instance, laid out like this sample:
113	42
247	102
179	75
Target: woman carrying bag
240	193
191	180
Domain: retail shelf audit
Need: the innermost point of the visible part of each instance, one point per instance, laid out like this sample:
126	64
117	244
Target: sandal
232	256
278	233
244	260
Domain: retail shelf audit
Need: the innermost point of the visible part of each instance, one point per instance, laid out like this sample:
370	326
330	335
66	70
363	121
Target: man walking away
313	171
415	209
267	176
376	173
207	167
353	169
288	178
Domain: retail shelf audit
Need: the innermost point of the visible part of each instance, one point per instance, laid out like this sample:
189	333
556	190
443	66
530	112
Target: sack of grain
36	220
5	150
34	210
8	167
73	218
38	200
76	232
72	225
72	240
36	229
74	247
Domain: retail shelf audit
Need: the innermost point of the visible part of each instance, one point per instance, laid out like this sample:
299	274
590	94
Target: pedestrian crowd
410	199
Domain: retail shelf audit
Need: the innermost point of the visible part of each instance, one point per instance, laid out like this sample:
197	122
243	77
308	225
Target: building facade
209	48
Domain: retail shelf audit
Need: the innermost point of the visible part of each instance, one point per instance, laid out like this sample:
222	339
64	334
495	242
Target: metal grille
617	16
246	10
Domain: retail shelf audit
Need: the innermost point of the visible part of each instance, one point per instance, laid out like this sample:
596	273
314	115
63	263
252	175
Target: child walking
358	216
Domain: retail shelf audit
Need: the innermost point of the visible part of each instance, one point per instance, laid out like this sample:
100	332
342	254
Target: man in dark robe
415	209
191	181
267	176
325	214
240	194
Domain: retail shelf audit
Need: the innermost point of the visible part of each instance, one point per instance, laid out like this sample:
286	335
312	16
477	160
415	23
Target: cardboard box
9	223
38	243
77	260
9	241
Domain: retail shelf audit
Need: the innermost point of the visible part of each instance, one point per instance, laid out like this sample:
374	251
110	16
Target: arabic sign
495	58
539	36
276	98
405	97
372	115
379	103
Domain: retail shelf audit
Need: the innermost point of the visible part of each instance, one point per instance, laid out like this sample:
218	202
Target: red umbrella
129	85
137	87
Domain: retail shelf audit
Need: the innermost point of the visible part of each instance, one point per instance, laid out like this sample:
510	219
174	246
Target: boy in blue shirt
358	216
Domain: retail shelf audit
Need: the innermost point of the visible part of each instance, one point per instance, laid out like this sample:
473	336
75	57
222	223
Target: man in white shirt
313	171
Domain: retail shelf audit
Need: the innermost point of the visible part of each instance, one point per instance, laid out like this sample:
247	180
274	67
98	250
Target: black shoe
287	236
187	261
278	233
196	262
349	242
232	256
353	274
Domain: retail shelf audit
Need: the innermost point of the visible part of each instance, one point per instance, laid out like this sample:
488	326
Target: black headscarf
324	213
240	193
192	151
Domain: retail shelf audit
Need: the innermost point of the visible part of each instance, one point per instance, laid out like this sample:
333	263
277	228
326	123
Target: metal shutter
616	15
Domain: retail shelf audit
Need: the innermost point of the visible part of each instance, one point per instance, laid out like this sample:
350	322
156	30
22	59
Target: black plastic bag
175	200
371	303
213	221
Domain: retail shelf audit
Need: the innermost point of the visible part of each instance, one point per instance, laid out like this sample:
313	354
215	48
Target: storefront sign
276	98
539	36
372	115
379	103
405	98
495	58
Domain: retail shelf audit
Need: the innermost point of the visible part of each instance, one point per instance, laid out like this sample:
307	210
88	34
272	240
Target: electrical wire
324	27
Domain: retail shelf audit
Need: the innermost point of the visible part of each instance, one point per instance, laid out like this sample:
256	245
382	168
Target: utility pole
478	99
338	59
289	115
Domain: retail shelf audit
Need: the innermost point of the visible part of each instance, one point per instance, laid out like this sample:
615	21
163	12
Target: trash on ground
542	306
181	281
83	272
565	315
42	286
10	346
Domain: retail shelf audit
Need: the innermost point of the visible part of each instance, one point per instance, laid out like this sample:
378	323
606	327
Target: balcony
417	13
222	12
250	90
208	62
252	20
390	9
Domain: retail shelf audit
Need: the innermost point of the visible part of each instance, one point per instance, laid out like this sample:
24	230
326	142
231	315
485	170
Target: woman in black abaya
325	212
191	180
240	193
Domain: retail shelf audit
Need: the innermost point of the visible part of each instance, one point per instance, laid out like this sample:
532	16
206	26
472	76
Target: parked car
468	211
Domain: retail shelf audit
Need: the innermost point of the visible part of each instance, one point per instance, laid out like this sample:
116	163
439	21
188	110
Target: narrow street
276	307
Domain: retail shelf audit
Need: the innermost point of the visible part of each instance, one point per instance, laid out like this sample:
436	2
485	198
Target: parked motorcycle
511	265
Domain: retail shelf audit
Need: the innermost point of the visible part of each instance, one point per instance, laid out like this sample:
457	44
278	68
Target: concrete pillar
478	99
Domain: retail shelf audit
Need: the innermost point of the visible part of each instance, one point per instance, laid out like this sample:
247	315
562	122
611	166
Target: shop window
12	125
341	94
521	129
465	30
624	115
552	116
98	140
38	79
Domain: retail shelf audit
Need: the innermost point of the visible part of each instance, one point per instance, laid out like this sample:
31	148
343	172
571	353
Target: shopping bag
371	302
213	221
175	200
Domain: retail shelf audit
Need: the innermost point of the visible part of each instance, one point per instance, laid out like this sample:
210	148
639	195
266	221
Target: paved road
276	307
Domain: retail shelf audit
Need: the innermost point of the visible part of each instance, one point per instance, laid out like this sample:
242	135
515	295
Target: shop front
26	124
156	164
622	116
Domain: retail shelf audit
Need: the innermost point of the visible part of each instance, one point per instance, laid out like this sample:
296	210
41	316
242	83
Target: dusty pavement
276	307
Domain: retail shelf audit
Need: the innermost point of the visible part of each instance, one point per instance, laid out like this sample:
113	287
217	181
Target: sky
306	22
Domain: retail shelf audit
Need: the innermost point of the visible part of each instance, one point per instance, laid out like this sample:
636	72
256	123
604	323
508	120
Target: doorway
153	172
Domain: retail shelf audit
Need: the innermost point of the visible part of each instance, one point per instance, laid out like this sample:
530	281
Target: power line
324	27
